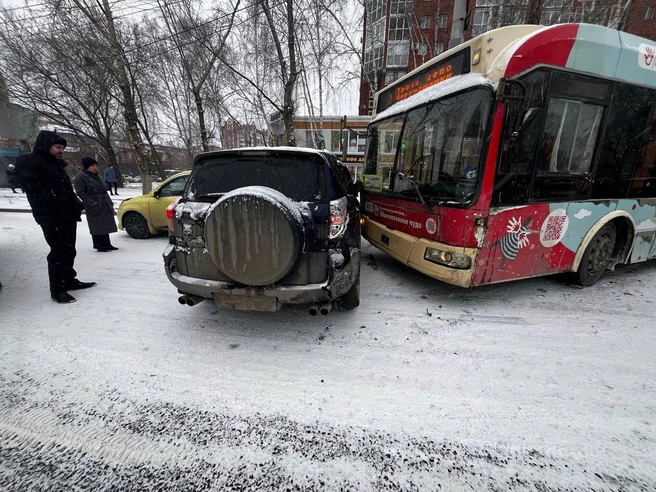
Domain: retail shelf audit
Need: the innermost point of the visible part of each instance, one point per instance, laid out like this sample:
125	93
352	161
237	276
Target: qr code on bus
554	228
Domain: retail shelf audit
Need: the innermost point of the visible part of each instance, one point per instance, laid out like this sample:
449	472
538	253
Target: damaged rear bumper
342	274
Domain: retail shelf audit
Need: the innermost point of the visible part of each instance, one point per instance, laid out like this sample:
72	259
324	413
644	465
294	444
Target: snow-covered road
532	385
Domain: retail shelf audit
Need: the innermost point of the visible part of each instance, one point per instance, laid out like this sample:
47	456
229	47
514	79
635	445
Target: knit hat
57	140
87	162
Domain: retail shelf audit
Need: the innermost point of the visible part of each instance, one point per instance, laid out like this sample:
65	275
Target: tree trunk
534	12
288	107
129	105
204	141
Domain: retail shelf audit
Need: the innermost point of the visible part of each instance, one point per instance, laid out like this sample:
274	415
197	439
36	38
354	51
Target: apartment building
400	35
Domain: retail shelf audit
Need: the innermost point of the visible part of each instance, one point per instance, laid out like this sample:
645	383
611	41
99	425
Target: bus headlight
453	260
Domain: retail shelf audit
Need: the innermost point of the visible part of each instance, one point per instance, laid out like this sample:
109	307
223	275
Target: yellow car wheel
136	226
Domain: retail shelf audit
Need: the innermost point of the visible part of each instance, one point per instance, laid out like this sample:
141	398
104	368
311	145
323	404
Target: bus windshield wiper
416	186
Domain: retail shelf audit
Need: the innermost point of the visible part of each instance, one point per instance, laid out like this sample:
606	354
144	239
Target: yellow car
144	215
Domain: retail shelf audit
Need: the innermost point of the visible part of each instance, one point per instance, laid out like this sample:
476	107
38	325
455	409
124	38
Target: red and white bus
525	151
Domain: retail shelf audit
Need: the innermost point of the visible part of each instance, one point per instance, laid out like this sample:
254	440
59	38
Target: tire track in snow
118	444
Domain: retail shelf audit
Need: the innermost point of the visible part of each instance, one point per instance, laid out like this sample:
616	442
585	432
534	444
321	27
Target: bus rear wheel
597	256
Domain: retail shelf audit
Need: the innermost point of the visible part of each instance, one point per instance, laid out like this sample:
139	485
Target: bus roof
511	50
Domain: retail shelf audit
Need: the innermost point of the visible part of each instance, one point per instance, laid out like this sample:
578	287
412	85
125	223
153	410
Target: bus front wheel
597	256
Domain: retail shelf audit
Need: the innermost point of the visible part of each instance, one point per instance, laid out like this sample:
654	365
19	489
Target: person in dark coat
42	176
12	181
91	189
110	179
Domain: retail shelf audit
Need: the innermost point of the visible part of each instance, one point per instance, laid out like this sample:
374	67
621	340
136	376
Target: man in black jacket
56	209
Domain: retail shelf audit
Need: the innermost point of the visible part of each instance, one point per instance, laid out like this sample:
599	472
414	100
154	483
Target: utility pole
345	136
458	23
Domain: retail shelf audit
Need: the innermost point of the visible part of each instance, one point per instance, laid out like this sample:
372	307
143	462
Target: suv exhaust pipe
190	300
325	308
314	309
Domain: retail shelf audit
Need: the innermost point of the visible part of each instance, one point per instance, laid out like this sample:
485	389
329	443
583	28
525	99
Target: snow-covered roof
443	89
270	149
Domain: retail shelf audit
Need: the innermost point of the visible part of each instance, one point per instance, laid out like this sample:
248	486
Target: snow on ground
532	385
18	201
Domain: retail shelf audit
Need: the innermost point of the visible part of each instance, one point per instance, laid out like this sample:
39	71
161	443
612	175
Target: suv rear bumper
342	275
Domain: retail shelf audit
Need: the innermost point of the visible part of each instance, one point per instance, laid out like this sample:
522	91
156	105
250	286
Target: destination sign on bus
457	64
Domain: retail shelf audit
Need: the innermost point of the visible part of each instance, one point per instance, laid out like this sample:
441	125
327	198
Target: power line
90	23
30	7
165	38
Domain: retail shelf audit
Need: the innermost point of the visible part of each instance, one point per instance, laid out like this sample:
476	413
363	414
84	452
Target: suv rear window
299	177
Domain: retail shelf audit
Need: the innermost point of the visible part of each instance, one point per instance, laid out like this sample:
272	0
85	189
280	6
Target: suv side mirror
156	193
355	188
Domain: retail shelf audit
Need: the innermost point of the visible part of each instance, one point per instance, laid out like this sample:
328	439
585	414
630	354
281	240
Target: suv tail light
338	218
170	215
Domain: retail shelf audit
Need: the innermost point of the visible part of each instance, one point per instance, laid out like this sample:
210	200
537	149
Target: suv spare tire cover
254	235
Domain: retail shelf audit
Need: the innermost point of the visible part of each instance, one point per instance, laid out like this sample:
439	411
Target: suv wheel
255	235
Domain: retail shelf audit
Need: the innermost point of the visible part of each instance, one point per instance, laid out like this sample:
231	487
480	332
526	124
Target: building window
649	13
425	22
377	9
442	21
390	77
439	48
373	60
397	54
550	17
399	29
400	7
481	22
421	49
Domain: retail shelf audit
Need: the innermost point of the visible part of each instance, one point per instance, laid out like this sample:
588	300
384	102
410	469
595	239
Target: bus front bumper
411	251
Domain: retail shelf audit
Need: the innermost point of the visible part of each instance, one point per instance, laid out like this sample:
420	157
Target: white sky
346	101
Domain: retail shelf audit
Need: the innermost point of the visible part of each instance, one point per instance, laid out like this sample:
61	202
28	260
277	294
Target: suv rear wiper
208	195
416	186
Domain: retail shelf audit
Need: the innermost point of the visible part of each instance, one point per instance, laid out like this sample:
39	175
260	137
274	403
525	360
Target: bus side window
629	143
571	139
382	148
570	136
526	138
644	177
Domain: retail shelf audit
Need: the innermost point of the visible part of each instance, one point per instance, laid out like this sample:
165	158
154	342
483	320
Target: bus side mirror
526	137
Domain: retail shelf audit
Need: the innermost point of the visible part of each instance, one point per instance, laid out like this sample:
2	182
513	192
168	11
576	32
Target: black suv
259	227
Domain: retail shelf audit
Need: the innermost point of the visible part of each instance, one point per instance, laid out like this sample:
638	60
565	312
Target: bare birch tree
60	74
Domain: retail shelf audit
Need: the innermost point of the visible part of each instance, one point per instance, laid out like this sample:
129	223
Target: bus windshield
433	152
